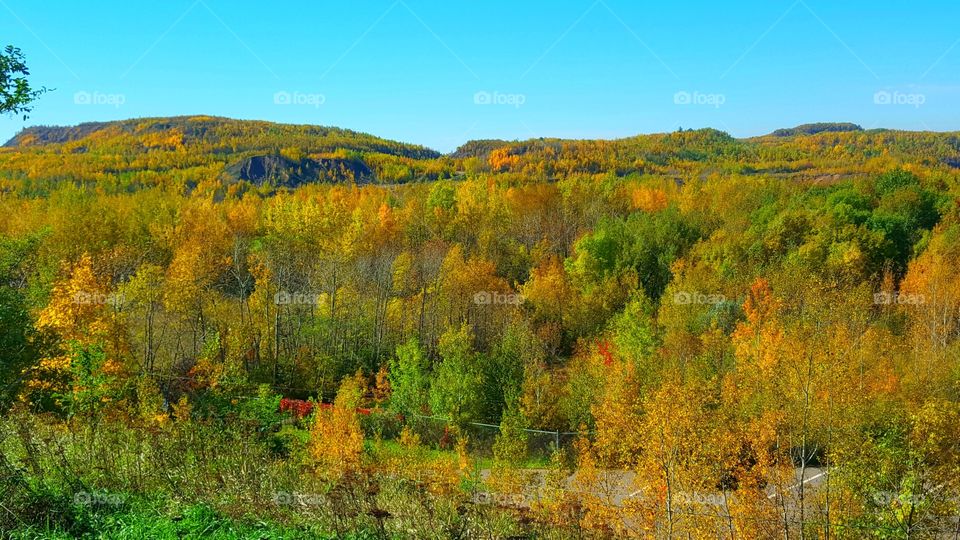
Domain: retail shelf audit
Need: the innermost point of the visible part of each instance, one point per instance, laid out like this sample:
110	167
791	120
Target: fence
435	431
541	444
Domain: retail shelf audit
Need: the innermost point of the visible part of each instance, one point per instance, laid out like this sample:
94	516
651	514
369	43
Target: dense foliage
675	329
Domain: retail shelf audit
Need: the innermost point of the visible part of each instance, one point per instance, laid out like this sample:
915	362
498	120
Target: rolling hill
190	151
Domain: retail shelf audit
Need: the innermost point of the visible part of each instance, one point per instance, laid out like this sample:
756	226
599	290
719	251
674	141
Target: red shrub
298	407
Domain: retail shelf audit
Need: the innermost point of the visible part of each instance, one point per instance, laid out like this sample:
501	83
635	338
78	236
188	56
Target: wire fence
481	436
439	432
434	431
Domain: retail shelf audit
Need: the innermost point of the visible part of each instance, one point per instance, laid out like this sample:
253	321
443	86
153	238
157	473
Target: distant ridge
213	130
258	152
203	128
187	151
813	129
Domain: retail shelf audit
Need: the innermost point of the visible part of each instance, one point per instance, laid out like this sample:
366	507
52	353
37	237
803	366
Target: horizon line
856	128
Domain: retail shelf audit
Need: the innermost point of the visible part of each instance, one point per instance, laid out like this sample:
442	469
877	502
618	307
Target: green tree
91	384
16	94
503	368
510	445
634	330
409	379
646	243
456	392
18	345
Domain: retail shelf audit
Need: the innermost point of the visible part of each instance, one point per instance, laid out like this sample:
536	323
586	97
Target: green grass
200	480
196	521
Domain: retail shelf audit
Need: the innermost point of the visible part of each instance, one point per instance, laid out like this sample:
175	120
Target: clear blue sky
439	73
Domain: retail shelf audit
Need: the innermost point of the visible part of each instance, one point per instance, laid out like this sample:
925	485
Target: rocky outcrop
280	171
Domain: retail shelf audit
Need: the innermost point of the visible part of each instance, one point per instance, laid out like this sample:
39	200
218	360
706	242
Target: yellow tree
616	446
336	441
930	295
673	479
757	341
551	297
757	389
82	311
143	295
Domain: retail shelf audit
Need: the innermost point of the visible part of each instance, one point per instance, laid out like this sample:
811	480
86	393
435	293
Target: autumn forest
246	329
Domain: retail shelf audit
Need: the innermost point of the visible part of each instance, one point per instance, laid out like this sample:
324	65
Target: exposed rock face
280	171
259	169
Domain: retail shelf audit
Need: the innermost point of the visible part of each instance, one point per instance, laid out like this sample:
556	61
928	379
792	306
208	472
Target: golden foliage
336	440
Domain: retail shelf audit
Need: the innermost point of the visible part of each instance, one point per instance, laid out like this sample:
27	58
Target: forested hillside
204	311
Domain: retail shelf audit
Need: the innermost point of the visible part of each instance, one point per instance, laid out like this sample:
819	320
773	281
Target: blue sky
441	73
